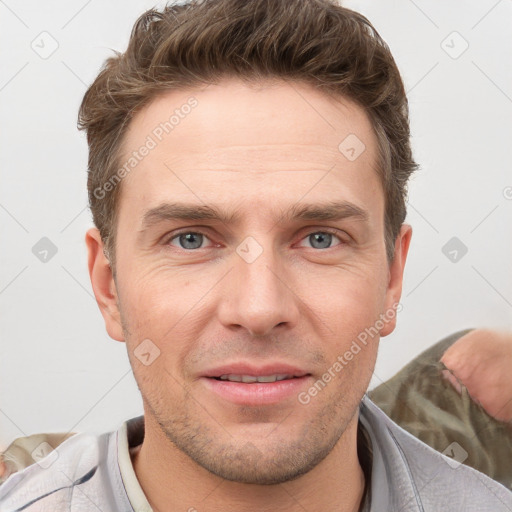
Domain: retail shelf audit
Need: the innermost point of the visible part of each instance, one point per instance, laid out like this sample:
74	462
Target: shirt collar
392	483
129	436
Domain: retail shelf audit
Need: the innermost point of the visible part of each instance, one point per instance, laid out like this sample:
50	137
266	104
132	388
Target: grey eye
320	240
190	240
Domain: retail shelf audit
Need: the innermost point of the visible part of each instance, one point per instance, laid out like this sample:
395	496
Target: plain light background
59	369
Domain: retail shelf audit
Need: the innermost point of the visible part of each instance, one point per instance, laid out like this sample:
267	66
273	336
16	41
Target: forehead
274	140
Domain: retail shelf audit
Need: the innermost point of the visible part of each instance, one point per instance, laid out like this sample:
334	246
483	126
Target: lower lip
256	393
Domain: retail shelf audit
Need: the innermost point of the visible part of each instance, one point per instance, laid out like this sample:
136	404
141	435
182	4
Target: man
456	396
247	172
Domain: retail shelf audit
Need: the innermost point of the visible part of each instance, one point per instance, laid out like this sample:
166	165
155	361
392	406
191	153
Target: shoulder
423	478
50	483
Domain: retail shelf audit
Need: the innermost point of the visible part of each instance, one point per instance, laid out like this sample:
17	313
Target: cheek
347	308
160	296
350	295
159	325
166	307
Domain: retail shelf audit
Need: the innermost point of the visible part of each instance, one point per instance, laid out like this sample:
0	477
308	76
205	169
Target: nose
258	296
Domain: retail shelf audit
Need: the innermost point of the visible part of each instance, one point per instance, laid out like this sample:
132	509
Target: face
250	245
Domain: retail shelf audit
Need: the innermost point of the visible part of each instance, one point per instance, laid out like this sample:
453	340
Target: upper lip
251	369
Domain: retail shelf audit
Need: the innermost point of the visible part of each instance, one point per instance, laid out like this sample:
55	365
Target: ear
103	284
396	274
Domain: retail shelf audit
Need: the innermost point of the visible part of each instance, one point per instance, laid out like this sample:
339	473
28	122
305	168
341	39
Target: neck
173	481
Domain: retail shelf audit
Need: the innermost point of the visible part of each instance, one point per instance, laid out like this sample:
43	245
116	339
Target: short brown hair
318	42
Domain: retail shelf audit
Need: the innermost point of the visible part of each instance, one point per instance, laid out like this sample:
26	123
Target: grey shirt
88	472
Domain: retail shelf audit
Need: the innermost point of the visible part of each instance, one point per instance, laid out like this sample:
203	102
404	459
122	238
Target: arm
482	361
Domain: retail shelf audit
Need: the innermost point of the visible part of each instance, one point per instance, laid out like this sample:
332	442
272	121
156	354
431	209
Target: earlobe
396	274
103	284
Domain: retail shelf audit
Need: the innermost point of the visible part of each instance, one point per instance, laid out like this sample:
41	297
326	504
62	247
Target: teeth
251	378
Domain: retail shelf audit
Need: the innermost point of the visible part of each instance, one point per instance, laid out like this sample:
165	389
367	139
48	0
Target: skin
258	151
481	361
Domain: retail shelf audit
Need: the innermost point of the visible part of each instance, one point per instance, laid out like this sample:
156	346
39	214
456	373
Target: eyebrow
332	211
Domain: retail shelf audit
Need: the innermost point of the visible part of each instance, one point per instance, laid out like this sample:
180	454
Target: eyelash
330	231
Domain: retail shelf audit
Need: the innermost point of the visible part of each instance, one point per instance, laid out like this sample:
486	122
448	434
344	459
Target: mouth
251	379
257	388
